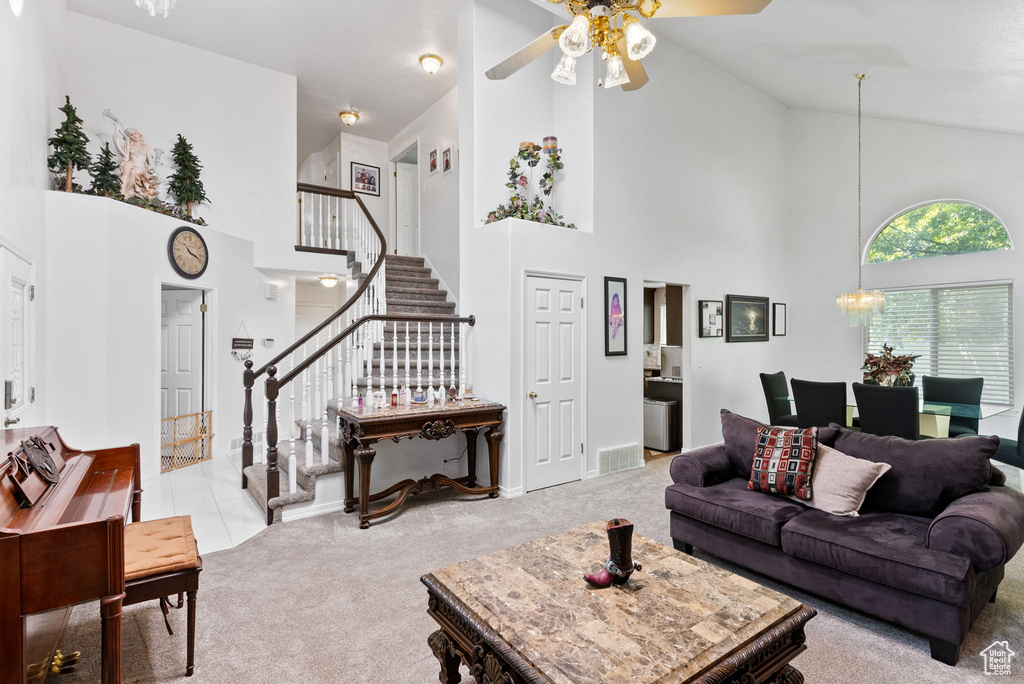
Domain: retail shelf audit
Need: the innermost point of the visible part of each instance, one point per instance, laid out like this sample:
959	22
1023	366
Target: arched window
939	229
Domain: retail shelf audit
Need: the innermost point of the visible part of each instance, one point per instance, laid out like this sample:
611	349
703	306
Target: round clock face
188	253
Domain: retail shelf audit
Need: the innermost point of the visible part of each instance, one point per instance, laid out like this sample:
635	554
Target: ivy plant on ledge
521	203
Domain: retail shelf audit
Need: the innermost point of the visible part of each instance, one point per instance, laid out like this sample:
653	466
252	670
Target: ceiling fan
612	26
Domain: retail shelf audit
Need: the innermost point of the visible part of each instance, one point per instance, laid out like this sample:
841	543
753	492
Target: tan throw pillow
840	482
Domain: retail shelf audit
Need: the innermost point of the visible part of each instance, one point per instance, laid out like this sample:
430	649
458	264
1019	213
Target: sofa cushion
784	461
731	506
740	436
926	475
887	548
840	483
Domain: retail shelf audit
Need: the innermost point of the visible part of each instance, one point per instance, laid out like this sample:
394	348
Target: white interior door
407	208
16	339
331	173
181	352
554	416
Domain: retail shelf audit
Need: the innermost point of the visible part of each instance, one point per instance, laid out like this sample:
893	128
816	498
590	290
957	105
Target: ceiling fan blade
709	8
529	53
634	69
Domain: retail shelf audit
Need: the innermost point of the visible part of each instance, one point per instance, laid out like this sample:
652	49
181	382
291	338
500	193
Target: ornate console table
361	429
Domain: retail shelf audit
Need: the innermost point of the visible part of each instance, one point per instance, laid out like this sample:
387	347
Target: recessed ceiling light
329	280
431	63
349	117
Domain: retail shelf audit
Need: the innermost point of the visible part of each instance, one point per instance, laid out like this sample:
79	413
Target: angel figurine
138	167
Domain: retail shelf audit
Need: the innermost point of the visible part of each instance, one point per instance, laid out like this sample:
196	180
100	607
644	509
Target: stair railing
333	221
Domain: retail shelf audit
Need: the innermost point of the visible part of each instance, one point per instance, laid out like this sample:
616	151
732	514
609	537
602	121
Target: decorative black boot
620	563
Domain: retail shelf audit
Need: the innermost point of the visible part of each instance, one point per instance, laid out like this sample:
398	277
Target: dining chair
955	391
1012	452
819	403
888	410
776	394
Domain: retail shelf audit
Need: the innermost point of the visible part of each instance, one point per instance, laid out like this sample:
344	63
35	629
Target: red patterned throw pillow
783	461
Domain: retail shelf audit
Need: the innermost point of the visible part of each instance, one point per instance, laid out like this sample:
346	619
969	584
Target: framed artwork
366	179
746	318
432	161
615	316
446	161
712	322
779	320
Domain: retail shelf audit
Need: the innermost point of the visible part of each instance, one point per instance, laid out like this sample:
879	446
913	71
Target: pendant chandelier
156	7
861	305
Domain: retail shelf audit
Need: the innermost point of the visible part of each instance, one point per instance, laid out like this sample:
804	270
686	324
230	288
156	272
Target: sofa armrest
704	467
987	528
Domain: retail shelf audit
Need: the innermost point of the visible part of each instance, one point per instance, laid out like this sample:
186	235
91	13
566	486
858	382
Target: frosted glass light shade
639	41
565	72
431	63
349	118
575	39
329	280
615	72
860	306
156	7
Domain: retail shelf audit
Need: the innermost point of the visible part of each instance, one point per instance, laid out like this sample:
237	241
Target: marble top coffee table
525	614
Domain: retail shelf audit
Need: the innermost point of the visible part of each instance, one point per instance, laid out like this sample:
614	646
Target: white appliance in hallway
181	352
553	349
407	207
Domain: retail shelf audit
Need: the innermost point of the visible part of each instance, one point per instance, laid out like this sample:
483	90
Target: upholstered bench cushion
157	547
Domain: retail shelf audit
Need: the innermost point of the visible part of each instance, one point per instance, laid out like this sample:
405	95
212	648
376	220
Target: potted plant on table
888	369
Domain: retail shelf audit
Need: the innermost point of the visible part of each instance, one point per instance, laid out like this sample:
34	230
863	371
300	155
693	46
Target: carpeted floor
319	600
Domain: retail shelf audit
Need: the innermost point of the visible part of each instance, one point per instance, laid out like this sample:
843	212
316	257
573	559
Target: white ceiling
359	55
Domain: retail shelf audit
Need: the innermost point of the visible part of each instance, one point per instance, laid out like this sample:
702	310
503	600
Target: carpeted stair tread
257	474
409	281
429	294
399	260
413	306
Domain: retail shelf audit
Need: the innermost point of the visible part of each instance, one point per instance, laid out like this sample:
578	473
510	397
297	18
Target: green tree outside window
939	229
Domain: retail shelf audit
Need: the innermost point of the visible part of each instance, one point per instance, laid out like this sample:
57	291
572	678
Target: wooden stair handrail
346	194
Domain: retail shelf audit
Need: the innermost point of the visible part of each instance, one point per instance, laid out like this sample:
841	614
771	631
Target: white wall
436	128
32	87
904	165
240	119
696	196
361	150
107	261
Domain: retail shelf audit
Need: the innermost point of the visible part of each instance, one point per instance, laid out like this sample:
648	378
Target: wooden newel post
248	380
273	474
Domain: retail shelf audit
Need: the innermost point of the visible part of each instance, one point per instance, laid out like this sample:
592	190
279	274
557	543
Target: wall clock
187	252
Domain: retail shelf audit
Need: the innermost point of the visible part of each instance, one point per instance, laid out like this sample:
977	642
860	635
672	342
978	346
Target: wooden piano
61	544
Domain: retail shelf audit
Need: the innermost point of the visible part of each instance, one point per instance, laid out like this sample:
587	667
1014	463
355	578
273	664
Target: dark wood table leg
494	436
110	619
190	657
788	675
471	441
441	645
365	454
350	476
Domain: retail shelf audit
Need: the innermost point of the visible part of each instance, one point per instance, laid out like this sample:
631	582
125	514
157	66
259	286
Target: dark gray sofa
927	551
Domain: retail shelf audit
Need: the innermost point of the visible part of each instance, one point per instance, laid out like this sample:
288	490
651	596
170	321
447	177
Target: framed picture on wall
615	316
432	161
746	318
447	164
366	179
778	319
712	322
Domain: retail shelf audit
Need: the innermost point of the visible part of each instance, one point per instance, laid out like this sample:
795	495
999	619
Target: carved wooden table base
361	430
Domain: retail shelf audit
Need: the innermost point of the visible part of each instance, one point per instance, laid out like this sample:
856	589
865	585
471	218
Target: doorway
182	351
666	367
16	339
407	202
554	382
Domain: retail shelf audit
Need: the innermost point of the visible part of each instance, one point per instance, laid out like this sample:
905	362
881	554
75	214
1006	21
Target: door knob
533	395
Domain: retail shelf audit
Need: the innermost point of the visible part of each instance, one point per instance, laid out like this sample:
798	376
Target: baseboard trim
310	511
510	493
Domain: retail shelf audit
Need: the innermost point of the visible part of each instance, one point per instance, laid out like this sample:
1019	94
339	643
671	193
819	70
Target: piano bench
161	559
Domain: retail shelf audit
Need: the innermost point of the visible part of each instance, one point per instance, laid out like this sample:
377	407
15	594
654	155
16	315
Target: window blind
959	332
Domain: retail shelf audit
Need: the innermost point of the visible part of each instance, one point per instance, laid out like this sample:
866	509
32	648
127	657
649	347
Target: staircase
397	330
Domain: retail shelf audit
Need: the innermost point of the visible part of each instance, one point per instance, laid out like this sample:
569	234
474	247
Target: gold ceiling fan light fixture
612	26
349	117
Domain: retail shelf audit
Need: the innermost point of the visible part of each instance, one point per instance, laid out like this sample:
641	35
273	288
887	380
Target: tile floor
223	514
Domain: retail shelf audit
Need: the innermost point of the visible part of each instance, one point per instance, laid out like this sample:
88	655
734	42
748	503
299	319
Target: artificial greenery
524	206
105	180
69	147
165	209
185	184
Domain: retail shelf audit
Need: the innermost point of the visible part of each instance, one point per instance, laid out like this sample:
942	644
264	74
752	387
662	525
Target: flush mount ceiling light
156	7
860	306
329	280
431	63
349	117
623	40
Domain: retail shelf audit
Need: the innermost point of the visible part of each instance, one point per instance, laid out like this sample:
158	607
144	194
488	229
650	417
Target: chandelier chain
860	180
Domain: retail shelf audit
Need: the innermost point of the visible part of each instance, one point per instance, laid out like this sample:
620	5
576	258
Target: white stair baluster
325	438
291	467
451	364
408	380
309	445
430	363
419	358
440	373
292	427
462	360
394	358
380	327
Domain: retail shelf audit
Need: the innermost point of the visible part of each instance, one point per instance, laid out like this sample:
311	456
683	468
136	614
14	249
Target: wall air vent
618	459
270	291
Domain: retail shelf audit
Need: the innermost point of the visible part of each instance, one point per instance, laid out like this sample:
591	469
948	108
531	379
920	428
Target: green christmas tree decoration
69	147
105	180
185	184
